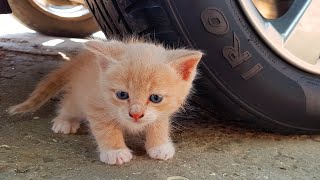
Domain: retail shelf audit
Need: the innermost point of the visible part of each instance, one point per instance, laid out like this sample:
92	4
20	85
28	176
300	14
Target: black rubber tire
241	75
4	7
41	22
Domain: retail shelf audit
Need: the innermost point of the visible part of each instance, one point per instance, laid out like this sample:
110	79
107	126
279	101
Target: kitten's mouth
136	121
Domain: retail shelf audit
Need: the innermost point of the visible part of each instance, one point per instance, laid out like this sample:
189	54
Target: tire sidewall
278	93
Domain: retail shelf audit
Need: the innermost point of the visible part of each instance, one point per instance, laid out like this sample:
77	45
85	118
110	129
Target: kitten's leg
158	142
69	117
110	140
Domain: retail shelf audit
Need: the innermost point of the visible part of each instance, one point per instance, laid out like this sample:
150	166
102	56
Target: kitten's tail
46	89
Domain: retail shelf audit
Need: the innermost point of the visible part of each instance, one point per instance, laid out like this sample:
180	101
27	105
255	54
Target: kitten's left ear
185	62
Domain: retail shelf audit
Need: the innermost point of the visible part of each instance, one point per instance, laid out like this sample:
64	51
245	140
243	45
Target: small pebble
4	146
177	178
283	168
36	117
22	170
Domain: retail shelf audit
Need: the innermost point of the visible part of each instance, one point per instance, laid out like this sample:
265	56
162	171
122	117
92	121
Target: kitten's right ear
106	52
111	48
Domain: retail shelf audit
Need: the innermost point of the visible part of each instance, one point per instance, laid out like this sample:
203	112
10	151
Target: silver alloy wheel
295	36
75	11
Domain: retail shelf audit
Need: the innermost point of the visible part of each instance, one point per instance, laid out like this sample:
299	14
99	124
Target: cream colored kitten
120	87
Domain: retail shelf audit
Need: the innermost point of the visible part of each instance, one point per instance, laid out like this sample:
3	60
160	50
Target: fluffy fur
91	80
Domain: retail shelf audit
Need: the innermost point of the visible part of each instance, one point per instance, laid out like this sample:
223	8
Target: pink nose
136	116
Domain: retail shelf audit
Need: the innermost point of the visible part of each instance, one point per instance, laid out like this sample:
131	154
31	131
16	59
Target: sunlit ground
10	25
11	28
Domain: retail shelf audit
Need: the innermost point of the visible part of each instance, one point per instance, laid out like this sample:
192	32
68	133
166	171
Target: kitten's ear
106	52
95	46
111	48
185	62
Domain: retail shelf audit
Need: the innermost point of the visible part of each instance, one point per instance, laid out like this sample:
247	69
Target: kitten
120	87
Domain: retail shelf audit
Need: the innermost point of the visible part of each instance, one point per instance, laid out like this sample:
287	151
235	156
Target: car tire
241	74
31	15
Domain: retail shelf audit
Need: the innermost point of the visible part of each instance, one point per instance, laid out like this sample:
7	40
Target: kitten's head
143	82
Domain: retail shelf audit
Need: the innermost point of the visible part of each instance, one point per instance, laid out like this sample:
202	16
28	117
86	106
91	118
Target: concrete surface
207	148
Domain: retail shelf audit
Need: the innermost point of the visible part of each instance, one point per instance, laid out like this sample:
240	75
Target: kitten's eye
155	98
122	95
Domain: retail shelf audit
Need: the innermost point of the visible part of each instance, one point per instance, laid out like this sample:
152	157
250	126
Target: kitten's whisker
176	128
180	125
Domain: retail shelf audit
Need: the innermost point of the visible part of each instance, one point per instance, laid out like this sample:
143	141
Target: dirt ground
207	148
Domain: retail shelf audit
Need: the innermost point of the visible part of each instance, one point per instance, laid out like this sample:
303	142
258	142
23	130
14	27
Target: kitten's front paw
163	152
117	156
65	126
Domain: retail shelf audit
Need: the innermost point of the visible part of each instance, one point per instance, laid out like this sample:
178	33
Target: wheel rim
295	35
62	12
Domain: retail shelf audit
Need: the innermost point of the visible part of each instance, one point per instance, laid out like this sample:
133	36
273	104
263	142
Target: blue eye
155	98
122	95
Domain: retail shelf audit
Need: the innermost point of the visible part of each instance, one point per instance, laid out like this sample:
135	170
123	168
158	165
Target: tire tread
139	17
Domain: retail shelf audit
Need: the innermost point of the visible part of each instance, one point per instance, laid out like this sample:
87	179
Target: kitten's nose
136	116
